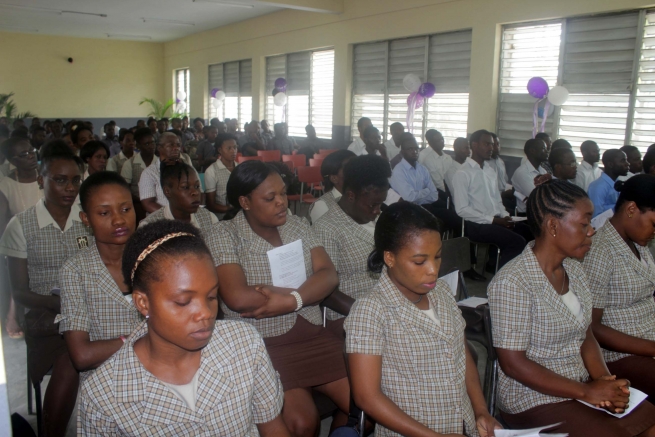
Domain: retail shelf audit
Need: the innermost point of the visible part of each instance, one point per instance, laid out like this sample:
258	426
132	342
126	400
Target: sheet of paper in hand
534	432
287	265
636	398
452	280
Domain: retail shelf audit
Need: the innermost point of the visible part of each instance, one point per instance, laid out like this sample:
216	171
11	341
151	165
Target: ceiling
165	20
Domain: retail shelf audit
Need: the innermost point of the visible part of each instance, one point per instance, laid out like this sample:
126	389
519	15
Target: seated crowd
159	274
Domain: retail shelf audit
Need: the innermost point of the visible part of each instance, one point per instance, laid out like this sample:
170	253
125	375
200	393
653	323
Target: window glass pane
231	107
322	84
298	109
448	113
643	127
371	106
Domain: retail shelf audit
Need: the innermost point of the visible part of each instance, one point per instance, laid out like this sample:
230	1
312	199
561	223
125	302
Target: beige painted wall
106	79
370	20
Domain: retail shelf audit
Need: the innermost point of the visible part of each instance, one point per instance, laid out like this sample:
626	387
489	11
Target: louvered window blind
606	62
378	92
235	79
310	89
182	83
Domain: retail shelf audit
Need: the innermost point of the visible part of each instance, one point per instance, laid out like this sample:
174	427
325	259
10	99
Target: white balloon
181	107
220	95
280	99
558	95
216	103
412	83
181	95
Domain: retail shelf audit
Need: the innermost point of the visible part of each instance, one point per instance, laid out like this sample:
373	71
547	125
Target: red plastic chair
290	165
310	176
298	160
270	155
326	152
241	159
317	162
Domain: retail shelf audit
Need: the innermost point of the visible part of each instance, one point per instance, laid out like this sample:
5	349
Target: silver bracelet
298	300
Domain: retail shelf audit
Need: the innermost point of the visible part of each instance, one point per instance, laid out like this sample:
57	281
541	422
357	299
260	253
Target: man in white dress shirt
478	202
588	170
435	160
358	146
462	152
393	144
497	163
523	179
373	143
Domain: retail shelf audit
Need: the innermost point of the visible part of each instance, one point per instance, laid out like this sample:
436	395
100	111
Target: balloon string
410	112
545	117
535	116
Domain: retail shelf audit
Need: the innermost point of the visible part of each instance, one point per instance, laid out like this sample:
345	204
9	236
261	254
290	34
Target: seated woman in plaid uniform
181	373
36	242
305	354
96	303
181	187
621	274
409	363
541	312
332	172
346	232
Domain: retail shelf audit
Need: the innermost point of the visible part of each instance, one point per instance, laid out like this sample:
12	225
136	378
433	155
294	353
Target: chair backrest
316	162
326	152
310	175
270	155
298	160
241	159
289	164
455	254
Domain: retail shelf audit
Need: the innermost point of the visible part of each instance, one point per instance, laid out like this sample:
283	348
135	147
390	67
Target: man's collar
406	164
473	163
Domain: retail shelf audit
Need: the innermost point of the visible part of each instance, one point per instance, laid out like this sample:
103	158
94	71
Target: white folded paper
508	187
520	196
473	302
598	221
519	219
636	398
452	279
287	265
534	432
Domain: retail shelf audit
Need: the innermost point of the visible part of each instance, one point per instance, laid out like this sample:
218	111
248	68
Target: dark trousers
511	242
448	216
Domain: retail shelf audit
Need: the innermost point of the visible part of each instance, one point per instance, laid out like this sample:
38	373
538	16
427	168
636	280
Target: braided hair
556	198
147	270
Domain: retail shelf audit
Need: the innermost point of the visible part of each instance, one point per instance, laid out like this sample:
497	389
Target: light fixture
222	3
163	20
31	8
123	36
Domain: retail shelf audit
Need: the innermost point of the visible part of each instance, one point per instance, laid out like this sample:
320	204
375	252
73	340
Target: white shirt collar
336	194
139	160
221	166
121	155
586	165
168	214
44	218
472	163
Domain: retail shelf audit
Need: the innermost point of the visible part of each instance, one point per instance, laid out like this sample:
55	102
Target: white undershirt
431	314
573	304
186	392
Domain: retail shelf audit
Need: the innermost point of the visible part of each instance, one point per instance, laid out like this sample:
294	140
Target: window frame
213	112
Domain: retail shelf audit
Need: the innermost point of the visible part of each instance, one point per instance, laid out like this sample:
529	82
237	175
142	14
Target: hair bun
375	262
618	185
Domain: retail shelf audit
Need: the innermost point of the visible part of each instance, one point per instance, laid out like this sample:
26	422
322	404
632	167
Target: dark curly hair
365	171
396	223
58	150
245	179
556	198
639	189
90	149
148	269
97	180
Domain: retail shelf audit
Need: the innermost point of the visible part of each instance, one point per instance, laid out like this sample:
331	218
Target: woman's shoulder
236	333
82	260
369	306
516	273
152	217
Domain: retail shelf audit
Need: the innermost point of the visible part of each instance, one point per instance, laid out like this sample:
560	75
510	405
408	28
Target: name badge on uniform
83	242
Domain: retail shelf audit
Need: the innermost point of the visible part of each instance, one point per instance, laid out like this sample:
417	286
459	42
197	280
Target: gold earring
629	215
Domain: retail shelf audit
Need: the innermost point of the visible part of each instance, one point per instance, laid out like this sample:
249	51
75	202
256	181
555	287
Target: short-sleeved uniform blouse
202	219
423	364
234	242
216	177
34	235
348	244
622	286
92	302
237	389
528	315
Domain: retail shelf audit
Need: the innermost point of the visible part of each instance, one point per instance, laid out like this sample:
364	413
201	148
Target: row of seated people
138	309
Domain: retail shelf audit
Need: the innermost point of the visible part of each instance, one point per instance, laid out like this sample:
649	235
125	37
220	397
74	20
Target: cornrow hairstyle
76	132
97	180
170	172
148	269
365	171
56	150
556	198
395	225
332	164
7	146
639	189
245	179
90	149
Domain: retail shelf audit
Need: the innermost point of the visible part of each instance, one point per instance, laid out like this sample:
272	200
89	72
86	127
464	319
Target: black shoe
475	276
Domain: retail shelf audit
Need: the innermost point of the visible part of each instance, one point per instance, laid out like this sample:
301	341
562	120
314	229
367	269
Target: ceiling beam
322	6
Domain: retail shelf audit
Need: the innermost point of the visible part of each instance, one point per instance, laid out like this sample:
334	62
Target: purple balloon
538	87
427	90
418	100
177	101
280	83
214	91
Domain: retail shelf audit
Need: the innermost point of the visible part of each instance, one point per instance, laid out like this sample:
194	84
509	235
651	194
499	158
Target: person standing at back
588	170
601	191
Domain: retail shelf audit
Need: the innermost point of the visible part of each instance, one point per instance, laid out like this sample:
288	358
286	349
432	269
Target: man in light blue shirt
413	182
601	191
